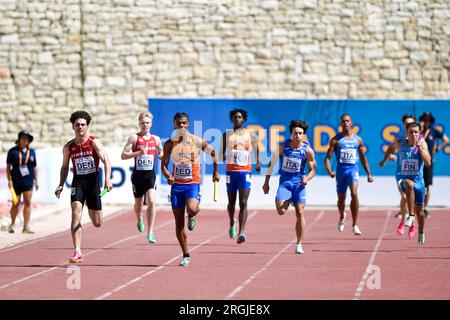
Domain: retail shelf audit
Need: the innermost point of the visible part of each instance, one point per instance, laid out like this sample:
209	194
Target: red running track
120	264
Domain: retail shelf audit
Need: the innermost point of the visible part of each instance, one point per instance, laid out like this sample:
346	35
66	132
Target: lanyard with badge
24	168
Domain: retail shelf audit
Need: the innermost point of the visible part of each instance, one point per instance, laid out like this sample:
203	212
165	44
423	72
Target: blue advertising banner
377	122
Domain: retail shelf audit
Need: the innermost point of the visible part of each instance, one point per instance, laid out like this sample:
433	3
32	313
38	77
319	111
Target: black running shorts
142	181
86	189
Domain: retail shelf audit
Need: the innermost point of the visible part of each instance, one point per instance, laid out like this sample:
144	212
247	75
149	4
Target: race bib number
145	162
239	158
410	167
348	156
85	165
183	171
291	165
24	170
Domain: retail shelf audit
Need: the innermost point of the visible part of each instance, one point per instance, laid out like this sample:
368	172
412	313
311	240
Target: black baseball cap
24	133
427	115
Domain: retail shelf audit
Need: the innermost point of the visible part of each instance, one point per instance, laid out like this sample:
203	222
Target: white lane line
264	268
87	254
165	264
109	217
369	268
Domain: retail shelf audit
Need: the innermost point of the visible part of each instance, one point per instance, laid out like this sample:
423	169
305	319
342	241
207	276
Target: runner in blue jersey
412	155
349	149
406	119
293	154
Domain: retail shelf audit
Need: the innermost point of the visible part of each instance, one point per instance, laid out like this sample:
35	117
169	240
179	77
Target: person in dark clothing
22	174
431	135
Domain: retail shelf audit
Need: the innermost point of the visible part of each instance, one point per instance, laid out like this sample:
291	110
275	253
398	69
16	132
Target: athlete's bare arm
64	170
310	158
330	151
209	149
223	145
273	162
423	148
103	156
255	147
127	153
165	161
159	147
390	150
364	161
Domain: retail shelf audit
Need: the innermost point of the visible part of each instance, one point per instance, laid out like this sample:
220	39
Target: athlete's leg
409	191
282	206
341	204
300	224
151	210
75	227
354	204
180	231
138	203
231	205
96	217
243	212
283	197
192	207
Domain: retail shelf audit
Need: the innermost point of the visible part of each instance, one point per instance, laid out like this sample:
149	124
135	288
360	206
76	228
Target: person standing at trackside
294	154
406	119
348	148
412	154
431	135
85	151
22	174
144	147
184	150
238	144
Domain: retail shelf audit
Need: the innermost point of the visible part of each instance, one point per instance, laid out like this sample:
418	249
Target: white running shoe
185	262
299	249
421	238
341	223
409	221
356	230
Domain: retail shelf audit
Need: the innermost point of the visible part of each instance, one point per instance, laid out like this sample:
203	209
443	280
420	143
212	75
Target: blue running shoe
241	238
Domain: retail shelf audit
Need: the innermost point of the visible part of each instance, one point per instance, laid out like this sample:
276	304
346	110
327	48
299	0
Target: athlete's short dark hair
180	115
298	124
80	114
413	125
242	111
408	115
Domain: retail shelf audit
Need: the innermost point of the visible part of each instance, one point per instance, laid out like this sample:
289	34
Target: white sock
78	250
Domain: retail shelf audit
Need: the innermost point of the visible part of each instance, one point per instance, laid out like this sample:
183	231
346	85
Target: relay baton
104	191
416	149
15	199
215	191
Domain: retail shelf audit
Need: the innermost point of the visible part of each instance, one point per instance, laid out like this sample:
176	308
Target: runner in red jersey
85	152
144	147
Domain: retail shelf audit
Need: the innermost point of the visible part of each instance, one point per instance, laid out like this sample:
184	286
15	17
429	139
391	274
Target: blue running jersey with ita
292	162
409	165
347	152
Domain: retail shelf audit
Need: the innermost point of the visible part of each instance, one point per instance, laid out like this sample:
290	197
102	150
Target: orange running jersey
238	149
186	160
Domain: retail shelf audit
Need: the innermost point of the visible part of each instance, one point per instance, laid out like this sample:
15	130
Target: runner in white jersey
144	147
